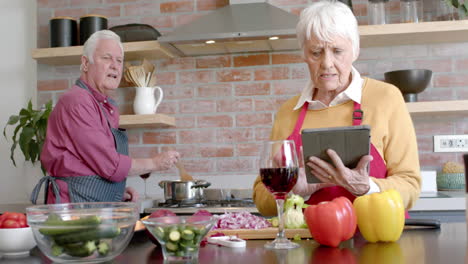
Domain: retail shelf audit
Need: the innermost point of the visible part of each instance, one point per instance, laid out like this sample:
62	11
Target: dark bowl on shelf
410	82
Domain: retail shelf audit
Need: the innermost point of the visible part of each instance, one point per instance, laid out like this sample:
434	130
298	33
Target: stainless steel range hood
239	27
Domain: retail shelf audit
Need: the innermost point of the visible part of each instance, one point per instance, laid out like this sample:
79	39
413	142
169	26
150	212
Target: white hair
326	20
90	45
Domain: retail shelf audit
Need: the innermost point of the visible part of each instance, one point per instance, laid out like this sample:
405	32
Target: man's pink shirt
79	141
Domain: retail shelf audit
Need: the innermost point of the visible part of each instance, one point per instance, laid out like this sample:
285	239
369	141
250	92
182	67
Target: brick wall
224	105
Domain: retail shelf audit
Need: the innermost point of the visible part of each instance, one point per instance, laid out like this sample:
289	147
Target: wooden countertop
445	245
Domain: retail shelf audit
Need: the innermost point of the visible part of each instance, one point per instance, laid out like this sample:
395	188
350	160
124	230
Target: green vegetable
188	234
103	248
174	235
171	246
56	250
297	237
180	240
293	216
81	249
56	222
86	235
274	221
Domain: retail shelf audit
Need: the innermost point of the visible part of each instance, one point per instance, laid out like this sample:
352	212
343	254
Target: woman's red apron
378	169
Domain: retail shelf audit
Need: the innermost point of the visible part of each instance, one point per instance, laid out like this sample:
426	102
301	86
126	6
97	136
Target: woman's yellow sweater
392	134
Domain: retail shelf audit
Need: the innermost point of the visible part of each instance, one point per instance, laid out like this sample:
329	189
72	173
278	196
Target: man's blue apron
92	188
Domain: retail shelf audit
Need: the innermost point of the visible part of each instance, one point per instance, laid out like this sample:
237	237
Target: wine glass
145	177
279	168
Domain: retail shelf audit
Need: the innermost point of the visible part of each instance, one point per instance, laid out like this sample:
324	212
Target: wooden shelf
72	55
439	107
140	121
414	33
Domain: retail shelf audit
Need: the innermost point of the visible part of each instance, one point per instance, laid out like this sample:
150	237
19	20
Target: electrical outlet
451	143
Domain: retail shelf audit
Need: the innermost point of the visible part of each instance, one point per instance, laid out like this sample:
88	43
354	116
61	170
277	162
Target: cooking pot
184	191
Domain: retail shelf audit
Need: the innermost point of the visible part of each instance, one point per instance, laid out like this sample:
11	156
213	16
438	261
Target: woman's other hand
165	160
356	180
305	189
130	195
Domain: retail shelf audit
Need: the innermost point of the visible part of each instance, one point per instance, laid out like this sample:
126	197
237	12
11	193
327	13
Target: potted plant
462	7
30	131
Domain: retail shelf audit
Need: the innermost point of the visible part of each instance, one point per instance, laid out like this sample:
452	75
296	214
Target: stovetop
212	206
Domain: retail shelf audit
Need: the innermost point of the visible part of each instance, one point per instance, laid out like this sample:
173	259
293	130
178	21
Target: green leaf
34	151
13	120
30	105
464	9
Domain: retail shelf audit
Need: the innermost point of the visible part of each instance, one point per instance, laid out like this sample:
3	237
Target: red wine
145	176
279	181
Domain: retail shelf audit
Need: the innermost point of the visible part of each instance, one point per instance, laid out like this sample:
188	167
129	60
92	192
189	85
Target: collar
97	95
353	92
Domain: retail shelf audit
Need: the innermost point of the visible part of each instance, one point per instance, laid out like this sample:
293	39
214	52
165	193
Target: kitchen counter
443	201
453	201
445	245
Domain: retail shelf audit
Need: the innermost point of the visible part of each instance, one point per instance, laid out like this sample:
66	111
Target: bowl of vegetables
82	232
180	236
16	237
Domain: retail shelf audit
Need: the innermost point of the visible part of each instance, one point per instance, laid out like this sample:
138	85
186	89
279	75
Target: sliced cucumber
171	246
174	235
188	234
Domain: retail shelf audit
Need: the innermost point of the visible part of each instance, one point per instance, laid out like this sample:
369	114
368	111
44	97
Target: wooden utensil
184	176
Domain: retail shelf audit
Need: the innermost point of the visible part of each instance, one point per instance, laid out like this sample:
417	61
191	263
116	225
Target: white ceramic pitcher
146	102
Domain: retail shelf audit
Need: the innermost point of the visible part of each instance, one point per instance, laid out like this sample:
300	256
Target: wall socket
451	143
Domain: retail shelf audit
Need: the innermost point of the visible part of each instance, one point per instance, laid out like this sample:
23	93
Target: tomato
10	223
13	220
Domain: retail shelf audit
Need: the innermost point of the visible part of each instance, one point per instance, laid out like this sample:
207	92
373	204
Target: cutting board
264	233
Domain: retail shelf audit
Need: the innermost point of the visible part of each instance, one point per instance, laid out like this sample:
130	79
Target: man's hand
130	195
165	160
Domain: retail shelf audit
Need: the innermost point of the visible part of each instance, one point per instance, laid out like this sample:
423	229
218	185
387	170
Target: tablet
350	143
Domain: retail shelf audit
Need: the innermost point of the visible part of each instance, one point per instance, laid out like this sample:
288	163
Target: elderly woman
85	152
335	96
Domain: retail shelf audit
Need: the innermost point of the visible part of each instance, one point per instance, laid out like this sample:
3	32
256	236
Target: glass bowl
180	236
82	232
16	242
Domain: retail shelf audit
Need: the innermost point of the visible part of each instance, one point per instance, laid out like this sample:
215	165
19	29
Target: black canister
90	24
63	32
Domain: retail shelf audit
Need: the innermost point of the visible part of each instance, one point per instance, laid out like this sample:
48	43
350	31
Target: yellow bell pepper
381	216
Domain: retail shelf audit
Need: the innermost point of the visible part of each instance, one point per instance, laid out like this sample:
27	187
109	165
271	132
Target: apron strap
358	114
300	119
37	188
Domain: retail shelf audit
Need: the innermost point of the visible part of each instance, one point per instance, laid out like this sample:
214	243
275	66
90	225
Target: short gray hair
326	20
91	43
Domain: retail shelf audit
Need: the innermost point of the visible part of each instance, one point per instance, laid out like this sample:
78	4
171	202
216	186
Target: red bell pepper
331	222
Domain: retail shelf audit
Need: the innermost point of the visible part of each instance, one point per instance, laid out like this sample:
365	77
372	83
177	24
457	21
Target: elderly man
85	153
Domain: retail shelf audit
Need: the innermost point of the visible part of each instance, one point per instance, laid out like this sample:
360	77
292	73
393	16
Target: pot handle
201	184
161	184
